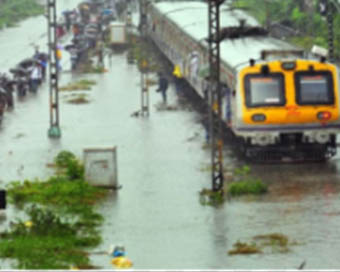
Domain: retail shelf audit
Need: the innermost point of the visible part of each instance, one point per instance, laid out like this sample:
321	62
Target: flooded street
157	215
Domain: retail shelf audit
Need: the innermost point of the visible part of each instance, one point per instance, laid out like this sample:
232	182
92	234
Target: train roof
192	18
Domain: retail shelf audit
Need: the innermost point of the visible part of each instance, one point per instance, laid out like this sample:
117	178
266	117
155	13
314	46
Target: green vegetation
211	198
269	243
300	15
241	183
244	183
254	187
12	11
80	85
62	222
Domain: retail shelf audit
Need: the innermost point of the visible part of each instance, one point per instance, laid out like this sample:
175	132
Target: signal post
54	130
215	96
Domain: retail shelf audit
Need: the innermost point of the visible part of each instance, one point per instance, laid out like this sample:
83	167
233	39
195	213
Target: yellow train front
287	110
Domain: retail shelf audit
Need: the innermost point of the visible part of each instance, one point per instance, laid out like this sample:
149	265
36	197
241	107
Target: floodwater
157	215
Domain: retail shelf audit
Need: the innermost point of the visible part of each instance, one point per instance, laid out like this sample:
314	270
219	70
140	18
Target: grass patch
254	187
240	183
244	184
13	11
268	243
211	198
91	69
81	85
62	224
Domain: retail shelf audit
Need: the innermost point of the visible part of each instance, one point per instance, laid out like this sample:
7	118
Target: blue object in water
118	253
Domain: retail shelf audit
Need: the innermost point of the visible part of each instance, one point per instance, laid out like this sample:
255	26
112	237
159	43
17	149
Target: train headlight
322	138
324	115
262	140
258	117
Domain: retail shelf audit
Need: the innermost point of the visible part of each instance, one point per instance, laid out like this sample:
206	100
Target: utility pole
215	96
326	9
330	26
143	65
54	130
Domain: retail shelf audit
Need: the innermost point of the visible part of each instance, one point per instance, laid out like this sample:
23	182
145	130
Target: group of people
163	83
89	26
27	76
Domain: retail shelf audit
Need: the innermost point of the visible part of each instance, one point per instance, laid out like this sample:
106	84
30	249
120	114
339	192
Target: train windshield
314	88
264	90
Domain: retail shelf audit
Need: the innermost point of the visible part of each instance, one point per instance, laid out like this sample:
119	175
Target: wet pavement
157	215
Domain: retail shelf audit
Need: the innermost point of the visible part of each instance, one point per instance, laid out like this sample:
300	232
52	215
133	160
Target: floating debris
273	239
136	113
19	135
268	243
165	107
81	85
79	99
244	248
119	259
90	69
194	137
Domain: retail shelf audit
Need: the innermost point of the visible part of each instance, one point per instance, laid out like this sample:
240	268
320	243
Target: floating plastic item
121	262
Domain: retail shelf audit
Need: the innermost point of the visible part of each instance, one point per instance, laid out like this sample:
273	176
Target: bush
13	11
255	187
62	221
68	164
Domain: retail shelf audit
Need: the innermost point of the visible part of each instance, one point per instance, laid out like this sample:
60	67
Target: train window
314	88
264	90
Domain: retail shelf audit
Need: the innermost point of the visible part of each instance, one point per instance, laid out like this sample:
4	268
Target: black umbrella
19	71
28	62
69	47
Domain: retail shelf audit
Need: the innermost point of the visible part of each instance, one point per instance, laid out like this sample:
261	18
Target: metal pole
215	97
330	30
144	64
54	130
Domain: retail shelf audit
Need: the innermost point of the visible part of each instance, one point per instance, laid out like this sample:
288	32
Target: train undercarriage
290	149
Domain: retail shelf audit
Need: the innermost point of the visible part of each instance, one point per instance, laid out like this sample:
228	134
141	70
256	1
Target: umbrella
107	12
69	47
28	62
18	71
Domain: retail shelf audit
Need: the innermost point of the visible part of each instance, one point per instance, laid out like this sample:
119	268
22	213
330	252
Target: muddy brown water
157	215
